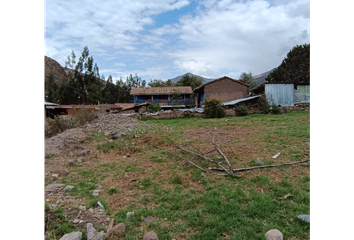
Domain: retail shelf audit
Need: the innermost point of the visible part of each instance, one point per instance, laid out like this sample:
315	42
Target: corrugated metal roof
51	104
161	90
233	102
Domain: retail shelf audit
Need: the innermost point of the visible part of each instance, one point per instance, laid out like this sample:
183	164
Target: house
284	94
224	89
46	108
164	96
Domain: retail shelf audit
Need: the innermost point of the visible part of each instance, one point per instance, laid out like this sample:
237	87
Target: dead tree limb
222	154
206	158
266	166
195	165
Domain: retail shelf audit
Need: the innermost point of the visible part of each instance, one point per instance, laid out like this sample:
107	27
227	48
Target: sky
163	39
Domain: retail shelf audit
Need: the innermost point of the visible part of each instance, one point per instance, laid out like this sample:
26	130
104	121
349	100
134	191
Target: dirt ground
67	144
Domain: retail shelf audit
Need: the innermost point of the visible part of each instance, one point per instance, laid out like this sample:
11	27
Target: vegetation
295	68
214	109
154	107
241	110
192	81
247	78
263	105
84	84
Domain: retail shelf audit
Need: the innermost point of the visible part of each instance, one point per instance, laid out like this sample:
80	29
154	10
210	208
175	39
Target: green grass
205	207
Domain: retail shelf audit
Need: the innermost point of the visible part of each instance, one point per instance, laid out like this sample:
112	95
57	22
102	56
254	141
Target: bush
263	105
84	115
154	107
214	109
275	109
241	110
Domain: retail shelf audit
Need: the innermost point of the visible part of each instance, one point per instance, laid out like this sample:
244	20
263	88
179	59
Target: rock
134	179
63	172
119	228
92	234
76	220
96	193
259	160
202	175
53	187
215	128
68	188
84	152
79	159
72	236
118	135
129	214
274	234
305	218
71	163
150	236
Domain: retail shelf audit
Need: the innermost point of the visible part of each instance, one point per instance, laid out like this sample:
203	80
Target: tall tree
295	68
192	81
247	78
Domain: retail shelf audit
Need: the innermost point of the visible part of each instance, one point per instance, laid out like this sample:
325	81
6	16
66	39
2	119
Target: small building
284	94
164	96
136	109
224	89
47	106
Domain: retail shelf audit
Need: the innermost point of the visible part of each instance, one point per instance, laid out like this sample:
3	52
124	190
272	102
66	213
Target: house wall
225	90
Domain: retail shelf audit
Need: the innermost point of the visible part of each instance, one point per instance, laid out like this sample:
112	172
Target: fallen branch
266	166
206	158
195	165
222	154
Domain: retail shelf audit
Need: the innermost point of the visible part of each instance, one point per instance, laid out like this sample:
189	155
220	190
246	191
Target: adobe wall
225	90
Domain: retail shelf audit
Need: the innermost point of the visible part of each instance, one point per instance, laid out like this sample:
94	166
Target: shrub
83	115
214	109
154	107
112	190
263	105
275	109
241	110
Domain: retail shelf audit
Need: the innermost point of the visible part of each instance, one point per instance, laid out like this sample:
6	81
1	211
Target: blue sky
162	39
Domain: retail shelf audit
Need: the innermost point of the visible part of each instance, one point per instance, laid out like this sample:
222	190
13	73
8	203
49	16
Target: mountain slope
260	78
53	67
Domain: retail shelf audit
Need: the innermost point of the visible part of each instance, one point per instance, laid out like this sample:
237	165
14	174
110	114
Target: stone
134	179
53	187
118	135
305	218
150	236
92	234
215	128
96	193
63	172
119	228
76	220
72	236
259	160
71	163
68	188
84	152
129	214
202	175
274	234
79	159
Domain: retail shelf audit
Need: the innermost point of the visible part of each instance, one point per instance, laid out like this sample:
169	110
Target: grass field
184	205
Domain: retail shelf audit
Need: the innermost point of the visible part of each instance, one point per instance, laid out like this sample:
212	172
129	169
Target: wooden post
152	98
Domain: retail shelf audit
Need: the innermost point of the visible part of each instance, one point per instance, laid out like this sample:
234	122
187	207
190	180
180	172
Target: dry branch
222	154
206	158
195	165
266	166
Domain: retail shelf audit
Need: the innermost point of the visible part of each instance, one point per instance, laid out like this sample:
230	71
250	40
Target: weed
176	180
112	190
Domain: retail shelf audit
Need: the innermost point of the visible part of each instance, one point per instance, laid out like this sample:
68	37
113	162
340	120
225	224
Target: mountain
205	80
260	78
52	67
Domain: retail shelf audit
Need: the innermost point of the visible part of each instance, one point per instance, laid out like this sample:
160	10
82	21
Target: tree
192	81
157	83
295	68
175	97
247	78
